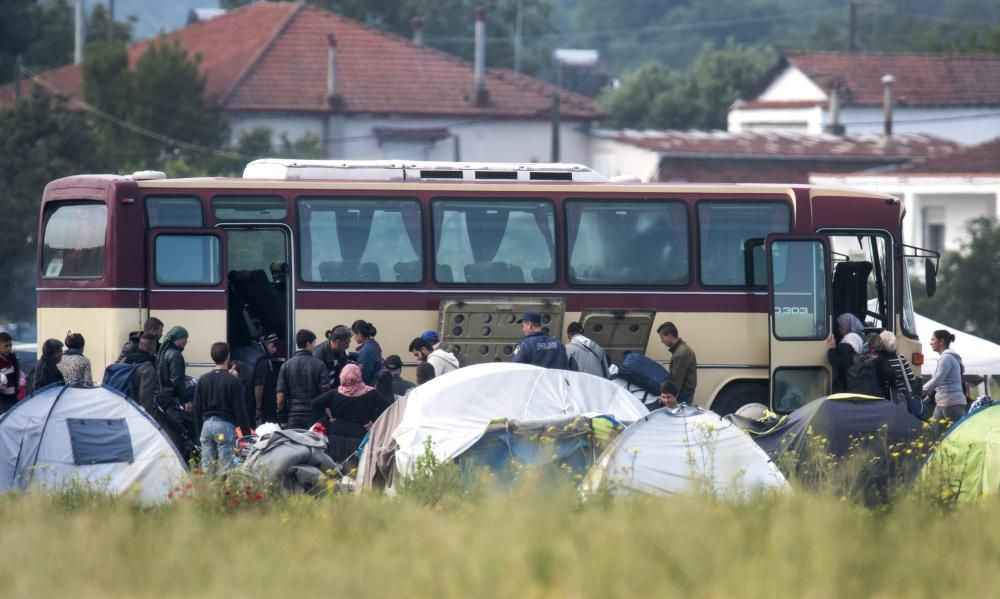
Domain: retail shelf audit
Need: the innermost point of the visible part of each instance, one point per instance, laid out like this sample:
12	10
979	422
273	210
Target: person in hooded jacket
46	371
369	353
842	349
171	369
427	348
144	376
584	354
10	373
949	397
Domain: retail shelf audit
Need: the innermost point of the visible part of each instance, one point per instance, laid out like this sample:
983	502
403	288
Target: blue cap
430	336
534	317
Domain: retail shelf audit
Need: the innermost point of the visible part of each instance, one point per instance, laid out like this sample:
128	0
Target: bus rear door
798	276
187	287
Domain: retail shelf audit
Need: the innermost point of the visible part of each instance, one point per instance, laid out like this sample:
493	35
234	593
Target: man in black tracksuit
301	379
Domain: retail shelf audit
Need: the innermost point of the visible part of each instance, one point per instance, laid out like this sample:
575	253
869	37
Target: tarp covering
455	410
95	436
965	466
685	451
978	355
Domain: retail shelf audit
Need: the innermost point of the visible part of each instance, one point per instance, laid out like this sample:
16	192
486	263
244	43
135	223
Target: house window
934	228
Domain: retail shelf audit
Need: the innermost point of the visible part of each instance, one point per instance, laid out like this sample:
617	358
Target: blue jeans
218	440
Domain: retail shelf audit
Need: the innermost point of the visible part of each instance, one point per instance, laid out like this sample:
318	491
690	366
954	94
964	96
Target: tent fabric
687	450
375	467
966	463
455	410
978	355
43	443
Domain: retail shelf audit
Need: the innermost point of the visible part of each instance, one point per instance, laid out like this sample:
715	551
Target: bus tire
737	394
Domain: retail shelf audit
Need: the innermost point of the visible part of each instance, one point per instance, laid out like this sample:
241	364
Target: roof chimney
332	95
417	25
834	125
888	82
480	58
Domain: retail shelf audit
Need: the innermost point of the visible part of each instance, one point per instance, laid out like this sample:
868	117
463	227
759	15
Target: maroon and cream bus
750	274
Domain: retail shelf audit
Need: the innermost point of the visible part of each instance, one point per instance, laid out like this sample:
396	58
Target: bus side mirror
930	277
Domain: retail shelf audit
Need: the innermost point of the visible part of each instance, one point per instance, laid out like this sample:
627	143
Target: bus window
799	294
494	241
73	242
249	208
627	243
724	230
187	260
360	240
862	272
173	211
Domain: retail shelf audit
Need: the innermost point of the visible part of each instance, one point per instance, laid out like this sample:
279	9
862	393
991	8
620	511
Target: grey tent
65	435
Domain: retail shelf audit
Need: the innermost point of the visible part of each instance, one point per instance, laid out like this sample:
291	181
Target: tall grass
536	539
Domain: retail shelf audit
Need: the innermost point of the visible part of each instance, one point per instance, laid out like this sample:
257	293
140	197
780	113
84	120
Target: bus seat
545	274
258	297
407	272
515	274
444	274
493	272
368	272
850	288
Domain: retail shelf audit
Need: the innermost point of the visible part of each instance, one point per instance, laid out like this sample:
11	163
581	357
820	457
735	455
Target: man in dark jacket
10	368
537	347
144	375
173	401
683	362
301	379
333	352
152	326
265	382
394	364
218	409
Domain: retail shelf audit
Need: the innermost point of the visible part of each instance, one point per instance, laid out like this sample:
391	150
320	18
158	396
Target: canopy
978	355
966	464
61	436
684	451
455	410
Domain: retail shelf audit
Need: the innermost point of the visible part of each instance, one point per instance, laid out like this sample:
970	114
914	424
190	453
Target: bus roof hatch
392	170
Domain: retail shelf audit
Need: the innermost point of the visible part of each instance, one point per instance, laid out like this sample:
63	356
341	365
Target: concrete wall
613	158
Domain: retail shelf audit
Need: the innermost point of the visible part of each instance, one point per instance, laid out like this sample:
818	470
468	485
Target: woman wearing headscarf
349	410
841	352
949	397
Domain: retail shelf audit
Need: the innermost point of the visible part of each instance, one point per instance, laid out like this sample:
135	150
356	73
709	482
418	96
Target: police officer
537	347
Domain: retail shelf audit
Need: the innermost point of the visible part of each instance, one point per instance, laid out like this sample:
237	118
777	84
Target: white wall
351	137
612	158
792	84
802	120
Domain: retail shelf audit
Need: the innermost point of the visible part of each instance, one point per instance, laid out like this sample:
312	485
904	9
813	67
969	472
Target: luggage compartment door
798	284
485	329
618	331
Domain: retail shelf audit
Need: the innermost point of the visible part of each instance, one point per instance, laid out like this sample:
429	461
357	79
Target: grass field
534	540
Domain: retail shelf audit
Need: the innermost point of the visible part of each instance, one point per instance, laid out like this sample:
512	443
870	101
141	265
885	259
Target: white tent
979	355
455	410
685	451
62	435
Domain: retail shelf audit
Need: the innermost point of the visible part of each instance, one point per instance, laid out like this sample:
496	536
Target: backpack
118	376
644	372
861	377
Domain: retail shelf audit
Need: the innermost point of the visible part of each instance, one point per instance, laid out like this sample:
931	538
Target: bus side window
725	229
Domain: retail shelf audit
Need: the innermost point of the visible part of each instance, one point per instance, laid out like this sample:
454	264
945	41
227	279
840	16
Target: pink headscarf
351	383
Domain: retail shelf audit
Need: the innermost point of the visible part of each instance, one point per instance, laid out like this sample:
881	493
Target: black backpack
861	376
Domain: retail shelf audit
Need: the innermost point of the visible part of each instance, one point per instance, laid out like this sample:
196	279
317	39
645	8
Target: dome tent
456	411
965	466
63	435
683	451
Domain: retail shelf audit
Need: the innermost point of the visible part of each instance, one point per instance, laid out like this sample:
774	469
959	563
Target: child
668	395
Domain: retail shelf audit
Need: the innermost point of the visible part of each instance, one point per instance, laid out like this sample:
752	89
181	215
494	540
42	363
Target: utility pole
79	34
111	21
852	27
555	128
517	38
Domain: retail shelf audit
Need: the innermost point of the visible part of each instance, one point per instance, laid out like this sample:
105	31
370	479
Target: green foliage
40	140
656	97
968	295
432	481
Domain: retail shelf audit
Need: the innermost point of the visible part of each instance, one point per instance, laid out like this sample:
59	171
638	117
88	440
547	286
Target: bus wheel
736	395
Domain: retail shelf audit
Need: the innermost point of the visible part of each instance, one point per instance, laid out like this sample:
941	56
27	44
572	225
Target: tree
968	294
659	98
40	140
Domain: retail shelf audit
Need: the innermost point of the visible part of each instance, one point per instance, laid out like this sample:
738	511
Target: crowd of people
326	382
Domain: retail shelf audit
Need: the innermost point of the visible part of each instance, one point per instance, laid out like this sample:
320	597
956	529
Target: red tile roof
778	144
272	56
921	79
982	159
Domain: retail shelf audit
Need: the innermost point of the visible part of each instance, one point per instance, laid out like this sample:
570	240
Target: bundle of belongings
293	459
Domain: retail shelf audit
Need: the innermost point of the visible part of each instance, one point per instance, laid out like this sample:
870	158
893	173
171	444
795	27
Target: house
753	156
955	96
365	93
940	195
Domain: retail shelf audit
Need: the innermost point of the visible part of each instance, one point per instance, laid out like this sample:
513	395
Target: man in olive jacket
683	363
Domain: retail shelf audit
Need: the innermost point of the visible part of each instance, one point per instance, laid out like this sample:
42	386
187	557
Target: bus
751	275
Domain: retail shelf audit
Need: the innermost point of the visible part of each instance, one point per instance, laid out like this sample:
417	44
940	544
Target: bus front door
187	287
798	275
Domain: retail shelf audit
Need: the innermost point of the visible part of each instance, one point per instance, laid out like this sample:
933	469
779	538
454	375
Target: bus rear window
173	211
249	208
360	240
627	243
73	242
725	227
489	241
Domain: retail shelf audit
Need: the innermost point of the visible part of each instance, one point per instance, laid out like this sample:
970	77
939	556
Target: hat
268	338
430	336
393	363
533	317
